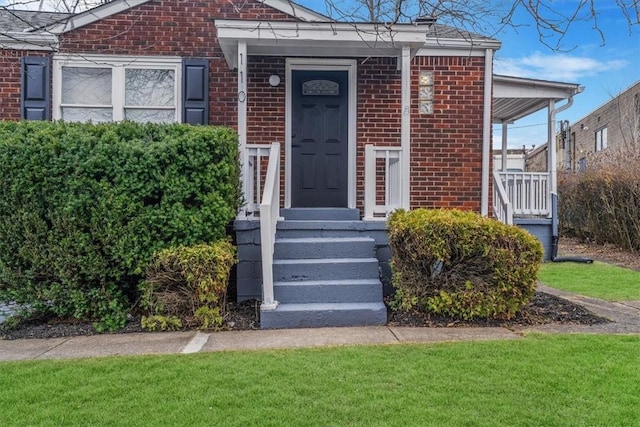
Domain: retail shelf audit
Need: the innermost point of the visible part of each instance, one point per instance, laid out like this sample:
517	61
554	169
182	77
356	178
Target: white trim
117	6
20	40
118	64
242	118
295	10
372	35
405	135
329	64
475	51
486	132
97	13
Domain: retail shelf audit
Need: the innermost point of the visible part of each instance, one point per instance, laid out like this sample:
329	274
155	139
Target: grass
598	280
539	380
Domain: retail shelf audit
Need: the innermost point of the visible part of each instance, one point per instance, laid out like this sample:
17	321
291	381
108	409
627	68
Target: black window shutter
195	91
36	99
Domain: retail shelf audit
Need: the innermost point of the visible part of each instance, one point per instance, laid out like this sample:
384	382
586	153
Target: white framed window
113	88
601	139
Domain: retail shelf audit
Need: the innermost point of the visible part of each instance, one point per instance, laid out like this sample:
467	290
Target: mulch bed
543	309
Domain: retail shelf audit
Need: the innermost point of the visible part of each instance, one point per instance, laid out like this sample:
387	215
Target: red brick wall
178	28
446	146
10	82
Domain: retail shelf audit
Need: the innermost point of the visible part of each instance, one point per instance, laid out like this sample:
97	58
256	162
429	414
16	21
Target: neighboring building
369	118
515	160
614	126
537	160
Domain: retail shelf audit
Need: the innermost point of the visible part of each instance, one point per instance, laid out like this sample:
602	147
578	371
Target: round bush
461	264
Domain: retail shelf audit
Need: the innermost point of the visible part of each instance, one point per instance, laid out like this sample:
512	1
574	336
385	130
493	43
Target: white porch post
551	148
504	146
486	135
242	118
405	136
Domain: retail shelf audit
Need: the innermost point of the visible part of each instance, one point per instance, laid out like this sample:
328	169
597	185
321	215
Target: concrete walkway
625	317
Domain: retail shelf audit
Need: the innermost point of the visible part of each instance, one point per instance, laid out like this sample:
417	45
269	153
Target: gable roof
21	20
39	29
21	29
116	6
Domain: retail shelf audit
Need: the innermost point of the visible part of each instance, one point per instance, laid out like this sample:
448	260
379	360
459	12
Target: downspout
555	235
486	137
552	165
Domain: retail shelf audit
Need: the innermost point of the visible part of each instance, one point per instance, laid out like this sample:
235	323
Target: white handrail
392	191
269	216
502	208
528	192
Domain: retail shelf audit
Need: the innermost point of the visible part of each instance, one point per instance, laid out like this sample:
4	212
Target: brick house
339	123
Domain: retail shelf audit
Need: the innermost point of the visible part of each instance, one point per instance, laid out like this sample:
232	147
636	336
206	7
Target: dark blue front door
319	162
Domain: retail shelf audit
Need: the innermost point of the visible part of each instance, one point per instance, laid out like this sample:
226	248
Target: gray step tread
293	224
323	239
325	261
354	282
339	306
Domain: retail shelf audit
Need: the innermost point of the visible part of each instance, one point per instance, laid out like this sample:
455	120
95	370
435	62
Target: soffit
517	97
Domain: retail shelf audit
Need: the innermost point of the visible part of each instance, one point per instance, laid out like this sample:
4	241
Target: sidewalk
625	317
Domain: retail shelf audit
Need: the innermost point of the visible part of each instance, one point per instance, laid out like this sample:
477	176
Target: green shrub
161	323
461	264
190	283
85	206
603	203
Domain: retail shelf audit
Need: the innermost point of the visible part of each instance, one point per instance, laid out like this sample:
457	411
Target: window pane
155	116
149	87
78	114
86	86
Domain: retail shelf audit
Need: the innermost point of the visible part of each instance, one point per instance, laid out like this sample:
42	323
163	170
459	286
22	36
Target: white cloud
562	67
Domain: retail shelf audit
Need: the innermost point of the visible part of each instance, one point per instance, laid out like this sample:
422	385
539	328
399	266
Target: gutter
20	40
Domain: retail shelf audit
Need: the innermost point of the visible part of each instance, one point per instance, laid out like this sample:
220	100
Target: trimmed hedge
461	264
85	206
187	285
603	202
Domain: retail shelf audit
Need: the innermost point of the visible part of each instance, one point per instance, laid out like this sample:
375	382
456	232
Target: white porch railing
382	181
269	216
502	208
528	192
254	179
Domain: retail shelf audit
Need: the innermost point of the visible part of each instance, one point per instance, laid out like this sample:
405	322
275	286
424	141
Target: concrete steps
325	272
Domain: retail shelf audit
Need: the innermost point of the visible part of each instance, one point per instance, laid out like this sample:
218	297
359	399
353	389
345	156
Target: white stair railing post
502	208
269	216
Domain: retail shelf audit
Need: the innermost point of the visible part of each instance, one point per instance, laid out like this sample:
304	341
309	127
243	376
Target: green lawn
537	381
598	280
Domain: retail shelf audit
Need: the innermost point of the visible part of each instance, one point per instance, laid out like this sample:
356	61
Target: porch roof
517	97
339	39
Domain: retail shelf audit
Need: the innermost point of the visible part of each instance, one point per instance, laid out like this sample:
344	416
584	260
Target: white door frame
312	64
